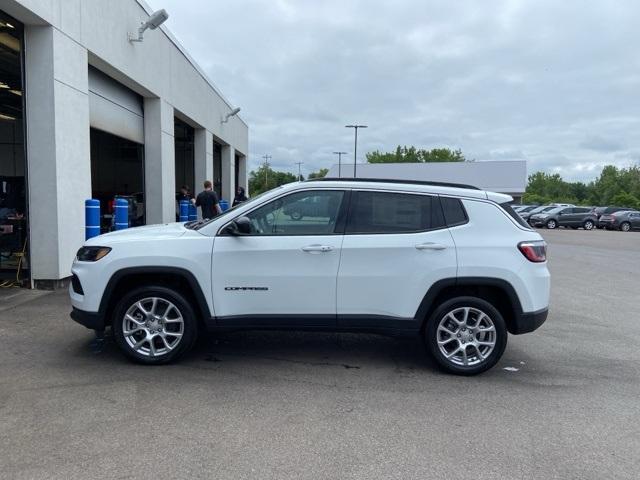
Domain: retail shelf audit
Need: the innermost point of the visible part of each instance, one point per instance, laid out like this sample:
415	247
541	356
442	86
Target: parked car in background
544	208
599	211
524	208
573	217
624	220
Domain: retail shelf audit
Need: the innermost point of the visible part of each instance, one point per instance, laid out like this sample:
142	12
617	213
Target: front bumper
91	320
528	321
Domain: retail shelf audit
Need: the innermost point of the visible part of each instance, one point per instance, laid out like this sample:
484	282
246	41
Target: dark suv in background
624	220
599	211
574	217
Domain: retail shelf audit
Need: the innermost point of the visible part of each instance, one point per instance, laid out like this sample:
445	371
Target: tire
170	339
448	354
296	216
588	225
552	224
625	226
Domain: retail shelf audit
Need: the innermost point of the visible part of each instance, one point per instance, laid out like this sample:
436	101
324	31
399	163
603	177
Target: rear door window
385	212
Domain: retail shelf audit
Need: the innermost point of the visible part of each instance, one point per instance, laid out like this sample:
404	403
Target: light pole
355	148
339	162
299	174
266	170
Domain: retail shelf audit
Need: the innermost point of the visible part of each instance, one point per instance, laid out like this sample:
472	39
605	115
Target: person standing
207	200
184	194
240	197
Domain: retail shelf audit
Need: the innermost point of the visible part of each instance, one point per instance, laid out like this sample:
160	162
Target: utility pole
299	174
355	148
339	162
266	170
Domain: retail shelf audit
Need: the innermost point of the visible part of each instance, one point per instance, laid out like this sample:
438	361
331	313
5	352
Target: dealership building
85	112
503	176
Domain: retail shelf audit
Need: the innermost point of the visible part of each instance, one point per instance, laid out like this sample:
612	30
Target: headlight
91	254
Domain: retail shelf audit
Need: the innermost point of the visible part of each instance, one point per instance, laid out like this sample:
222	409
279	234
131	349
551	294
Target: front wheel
154	325
625	226
466	335
588	225
551	224
296	216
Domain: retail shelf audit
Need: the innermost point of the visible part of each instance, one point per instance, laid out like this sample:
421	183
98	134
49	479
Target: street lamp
339	162
299	172
355	148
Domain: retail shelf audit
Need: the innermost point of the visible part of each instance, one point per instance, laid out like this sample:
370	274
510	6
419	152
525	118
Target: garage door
114	108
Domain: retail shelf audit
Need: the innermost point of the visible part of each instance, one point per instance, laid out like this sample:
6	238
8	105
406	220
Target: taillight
534	251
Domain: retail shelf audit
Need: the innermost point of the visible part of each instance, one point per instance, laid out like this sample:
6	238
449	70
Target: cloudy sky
554	82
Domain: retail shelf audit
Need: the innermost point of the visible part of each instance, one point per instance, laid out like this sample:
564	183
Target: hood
167	230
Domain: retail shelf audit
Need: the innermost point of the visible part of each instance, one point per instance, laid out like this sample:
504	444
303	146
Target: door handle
317	248
430	246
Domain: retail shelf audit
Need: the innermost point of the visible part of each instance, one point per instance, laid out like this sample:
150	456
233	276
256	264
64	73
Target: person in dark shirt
207	200
184	194
240	197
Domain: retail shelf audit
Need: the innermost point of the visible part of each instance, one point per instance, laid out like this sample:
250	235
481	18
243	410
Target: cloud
552	82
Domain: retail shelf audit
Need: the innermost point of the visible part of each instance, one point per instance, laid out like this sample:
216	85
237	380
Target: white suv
450	263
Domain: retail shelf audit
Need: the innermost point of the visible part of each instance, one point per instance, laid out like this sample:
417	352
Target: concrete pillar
159	161
228	173
243	176
203	161
58	150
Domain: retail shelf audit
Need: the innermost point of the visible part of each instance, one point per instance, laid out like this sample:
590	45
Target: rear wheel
588	225
625	226
296	216
466	335
551	224
154	325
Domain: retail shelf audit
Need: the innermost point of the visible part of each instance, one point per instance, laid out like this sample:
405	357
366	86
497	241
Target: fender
439	286
202	305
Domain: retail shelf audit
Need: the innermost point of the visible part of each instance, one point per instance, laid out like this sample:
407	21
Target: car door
566	216
284	272
395	247
634	218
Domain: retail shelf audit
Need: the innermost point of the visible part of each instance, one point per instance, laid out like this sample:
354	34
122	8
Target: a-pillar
203	159
228	173
159	162
58	147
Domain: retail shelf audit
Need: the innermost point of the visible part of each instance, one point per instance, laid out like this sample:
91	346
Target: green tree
265	178
413	155
319	174
614	186
625	199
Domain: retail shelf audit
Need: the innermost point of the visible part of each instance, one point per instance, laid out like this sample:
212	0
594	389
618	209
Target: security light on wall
232	113
155	20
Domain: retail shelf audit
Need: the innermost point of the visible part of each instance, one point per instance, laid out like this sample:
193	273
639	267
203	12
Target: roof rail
394	180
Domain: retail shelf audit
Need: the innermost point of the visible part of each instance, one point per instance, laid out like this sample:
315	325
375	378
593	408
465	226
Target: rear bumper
91	320
528	322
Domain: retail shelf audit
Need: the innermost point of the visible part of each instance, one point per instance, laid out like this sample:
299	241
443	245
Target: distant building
508	177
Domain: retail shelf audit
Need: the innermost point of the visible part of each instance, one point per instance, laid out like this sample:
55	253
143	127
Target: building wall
508	177
64	37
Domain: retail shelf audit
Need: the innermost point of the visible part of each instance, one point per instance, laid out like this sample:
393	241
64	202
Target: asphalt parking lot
563	403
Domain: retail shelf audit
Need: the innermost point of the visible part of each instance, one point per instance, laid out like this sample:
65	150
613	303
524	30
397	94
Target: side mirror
240	226
244	225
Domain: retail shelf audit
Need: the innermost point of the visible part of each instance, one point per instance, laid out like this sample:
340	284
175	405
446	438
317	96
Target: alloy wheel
551	224
466	336
153	327
588	225
625	227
